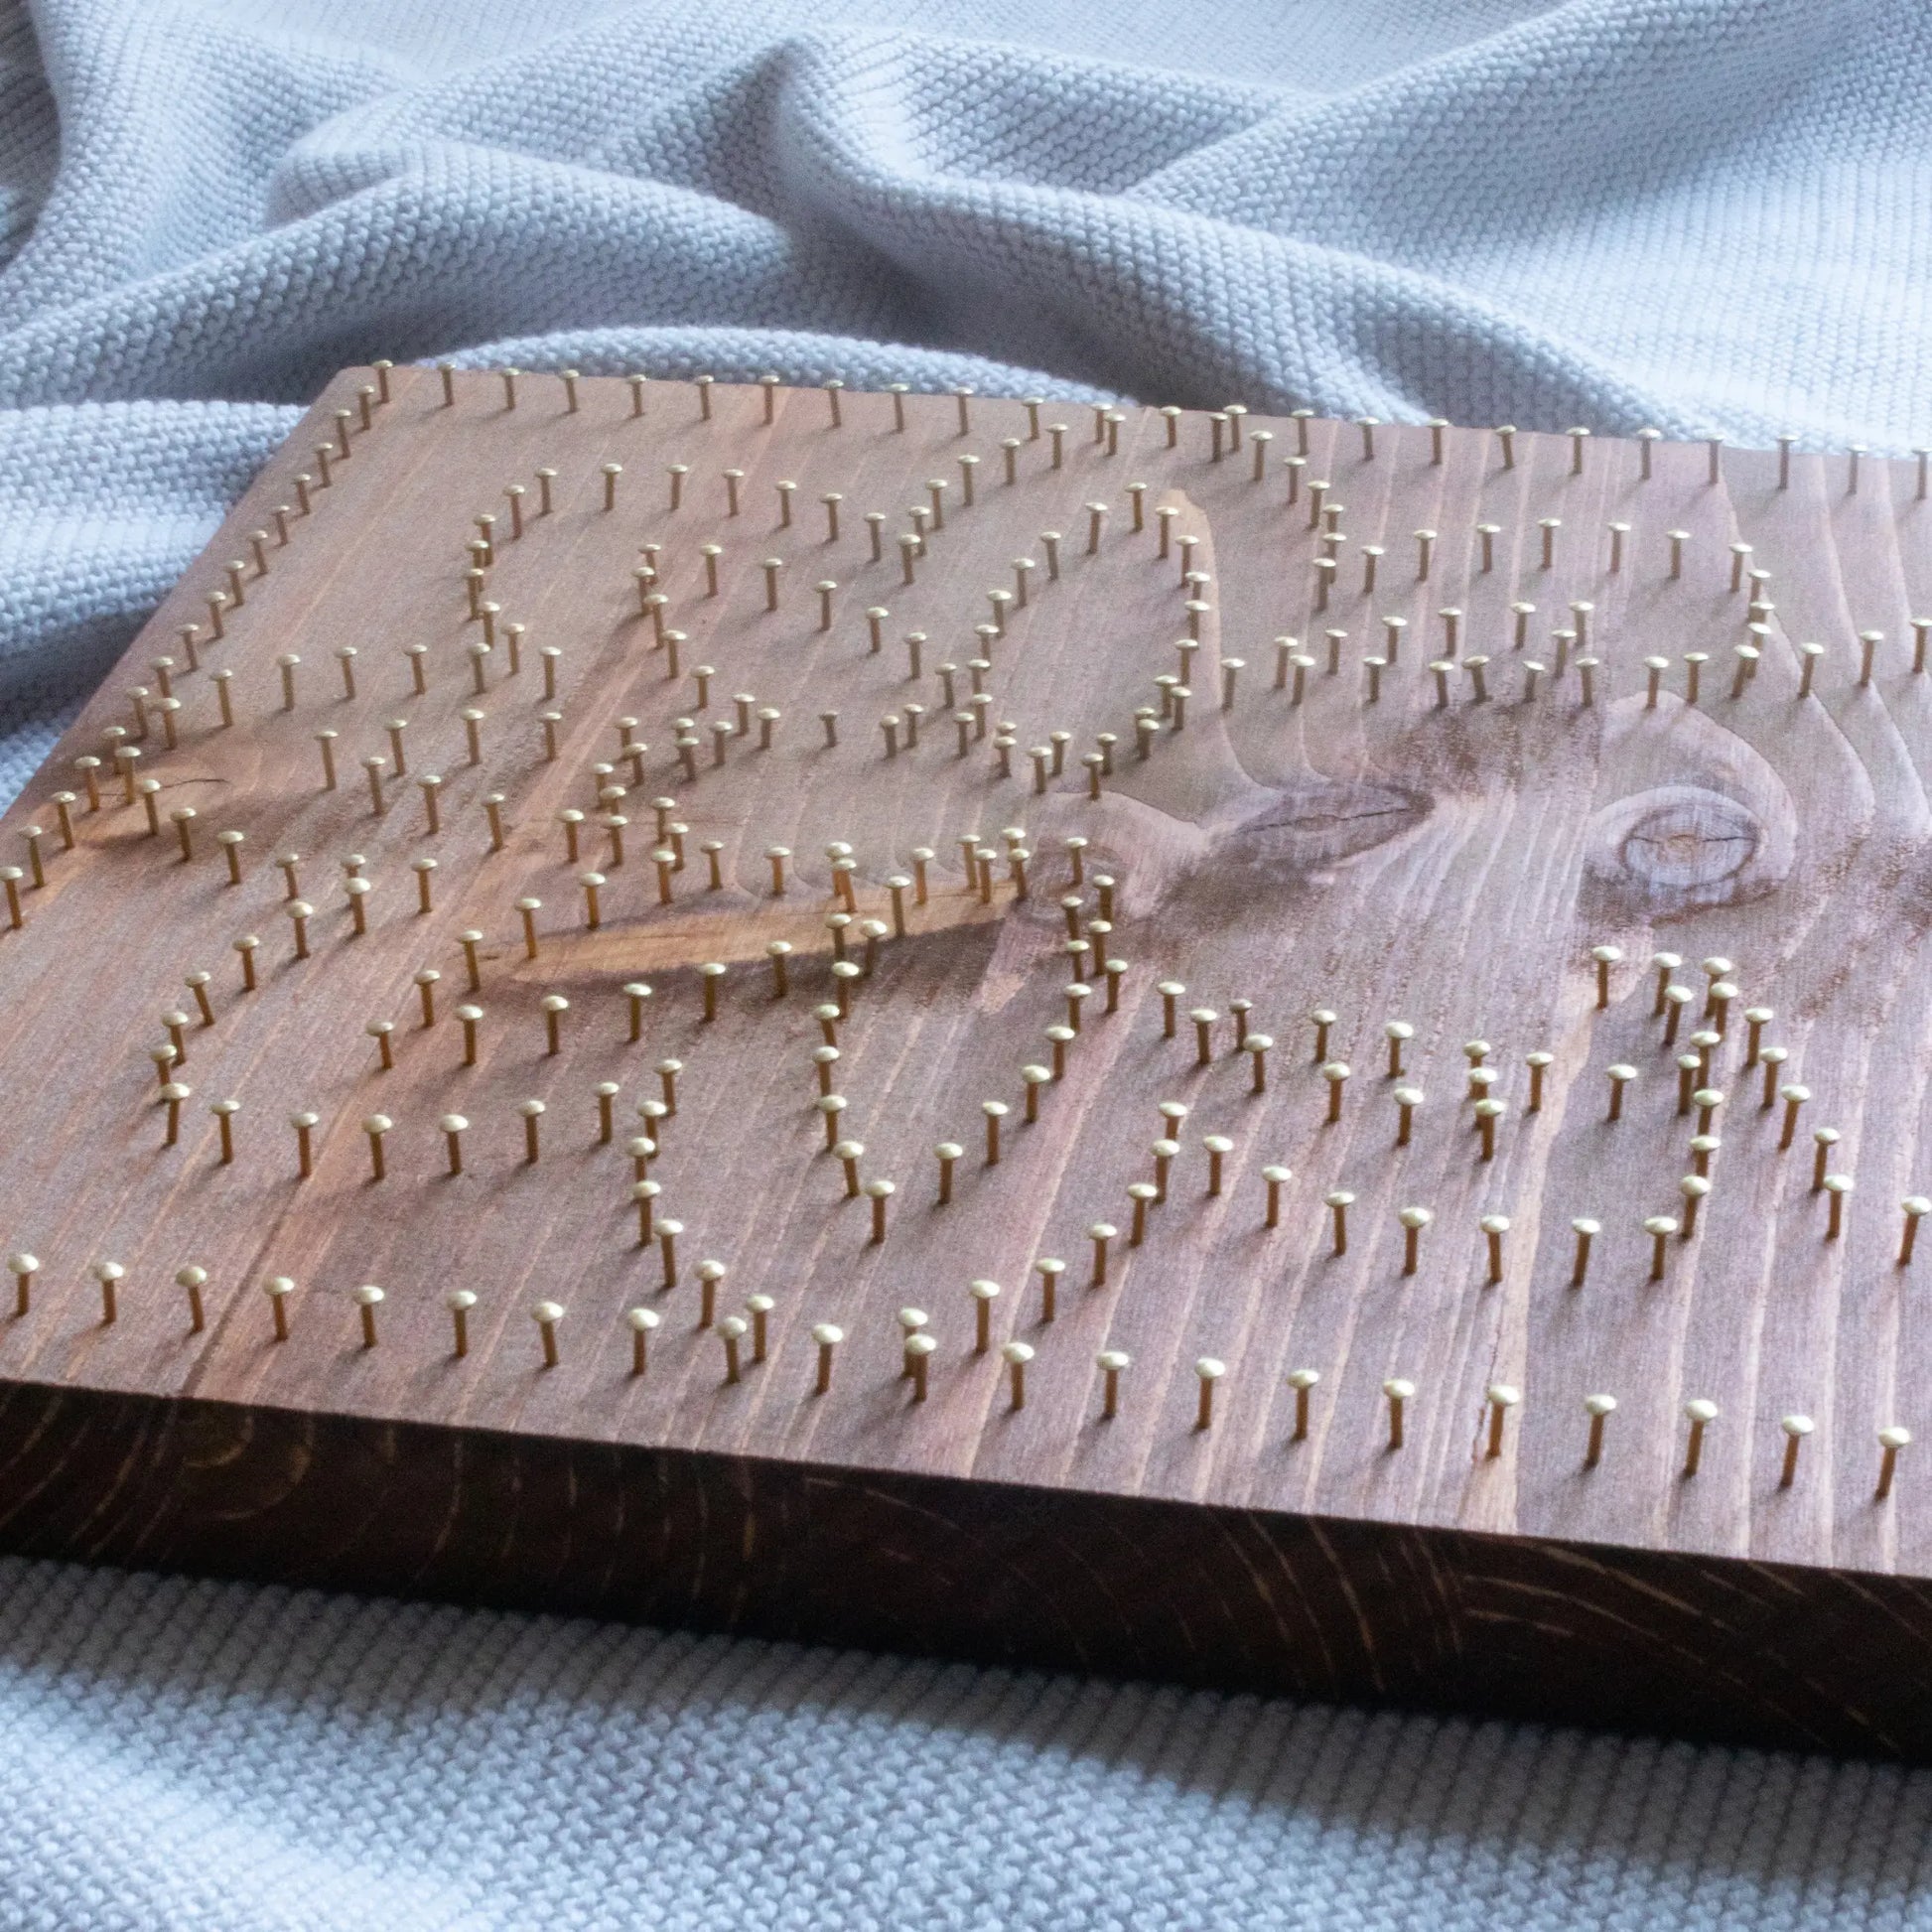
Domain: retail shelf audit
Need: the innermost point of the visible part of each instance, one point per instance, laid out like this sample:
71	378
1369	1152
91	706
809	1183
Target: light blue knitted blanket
1711	215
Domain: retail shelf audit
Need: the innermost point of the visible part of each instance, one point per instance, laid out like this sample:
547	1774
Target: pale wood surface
1450	867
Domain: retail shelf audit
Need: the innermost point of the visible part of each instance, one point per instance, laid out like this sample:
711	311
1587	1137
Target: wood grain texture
1441	852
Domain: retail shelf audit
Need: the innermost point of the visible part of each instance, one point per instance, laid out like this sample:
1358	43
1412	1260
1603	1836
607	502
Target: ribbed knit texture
178	1754
1711	215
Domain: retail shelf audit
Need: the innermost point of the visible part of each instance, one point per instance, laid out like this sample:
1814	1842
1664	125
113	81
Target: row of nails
747	1334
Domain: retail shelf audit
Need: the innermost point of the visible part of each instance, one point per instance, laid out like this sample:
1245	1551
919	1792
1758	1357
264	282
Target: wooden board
1437	848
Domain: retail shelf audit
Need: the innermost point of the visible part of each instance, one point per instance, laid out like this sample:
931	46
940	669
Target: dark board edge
1261	1603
